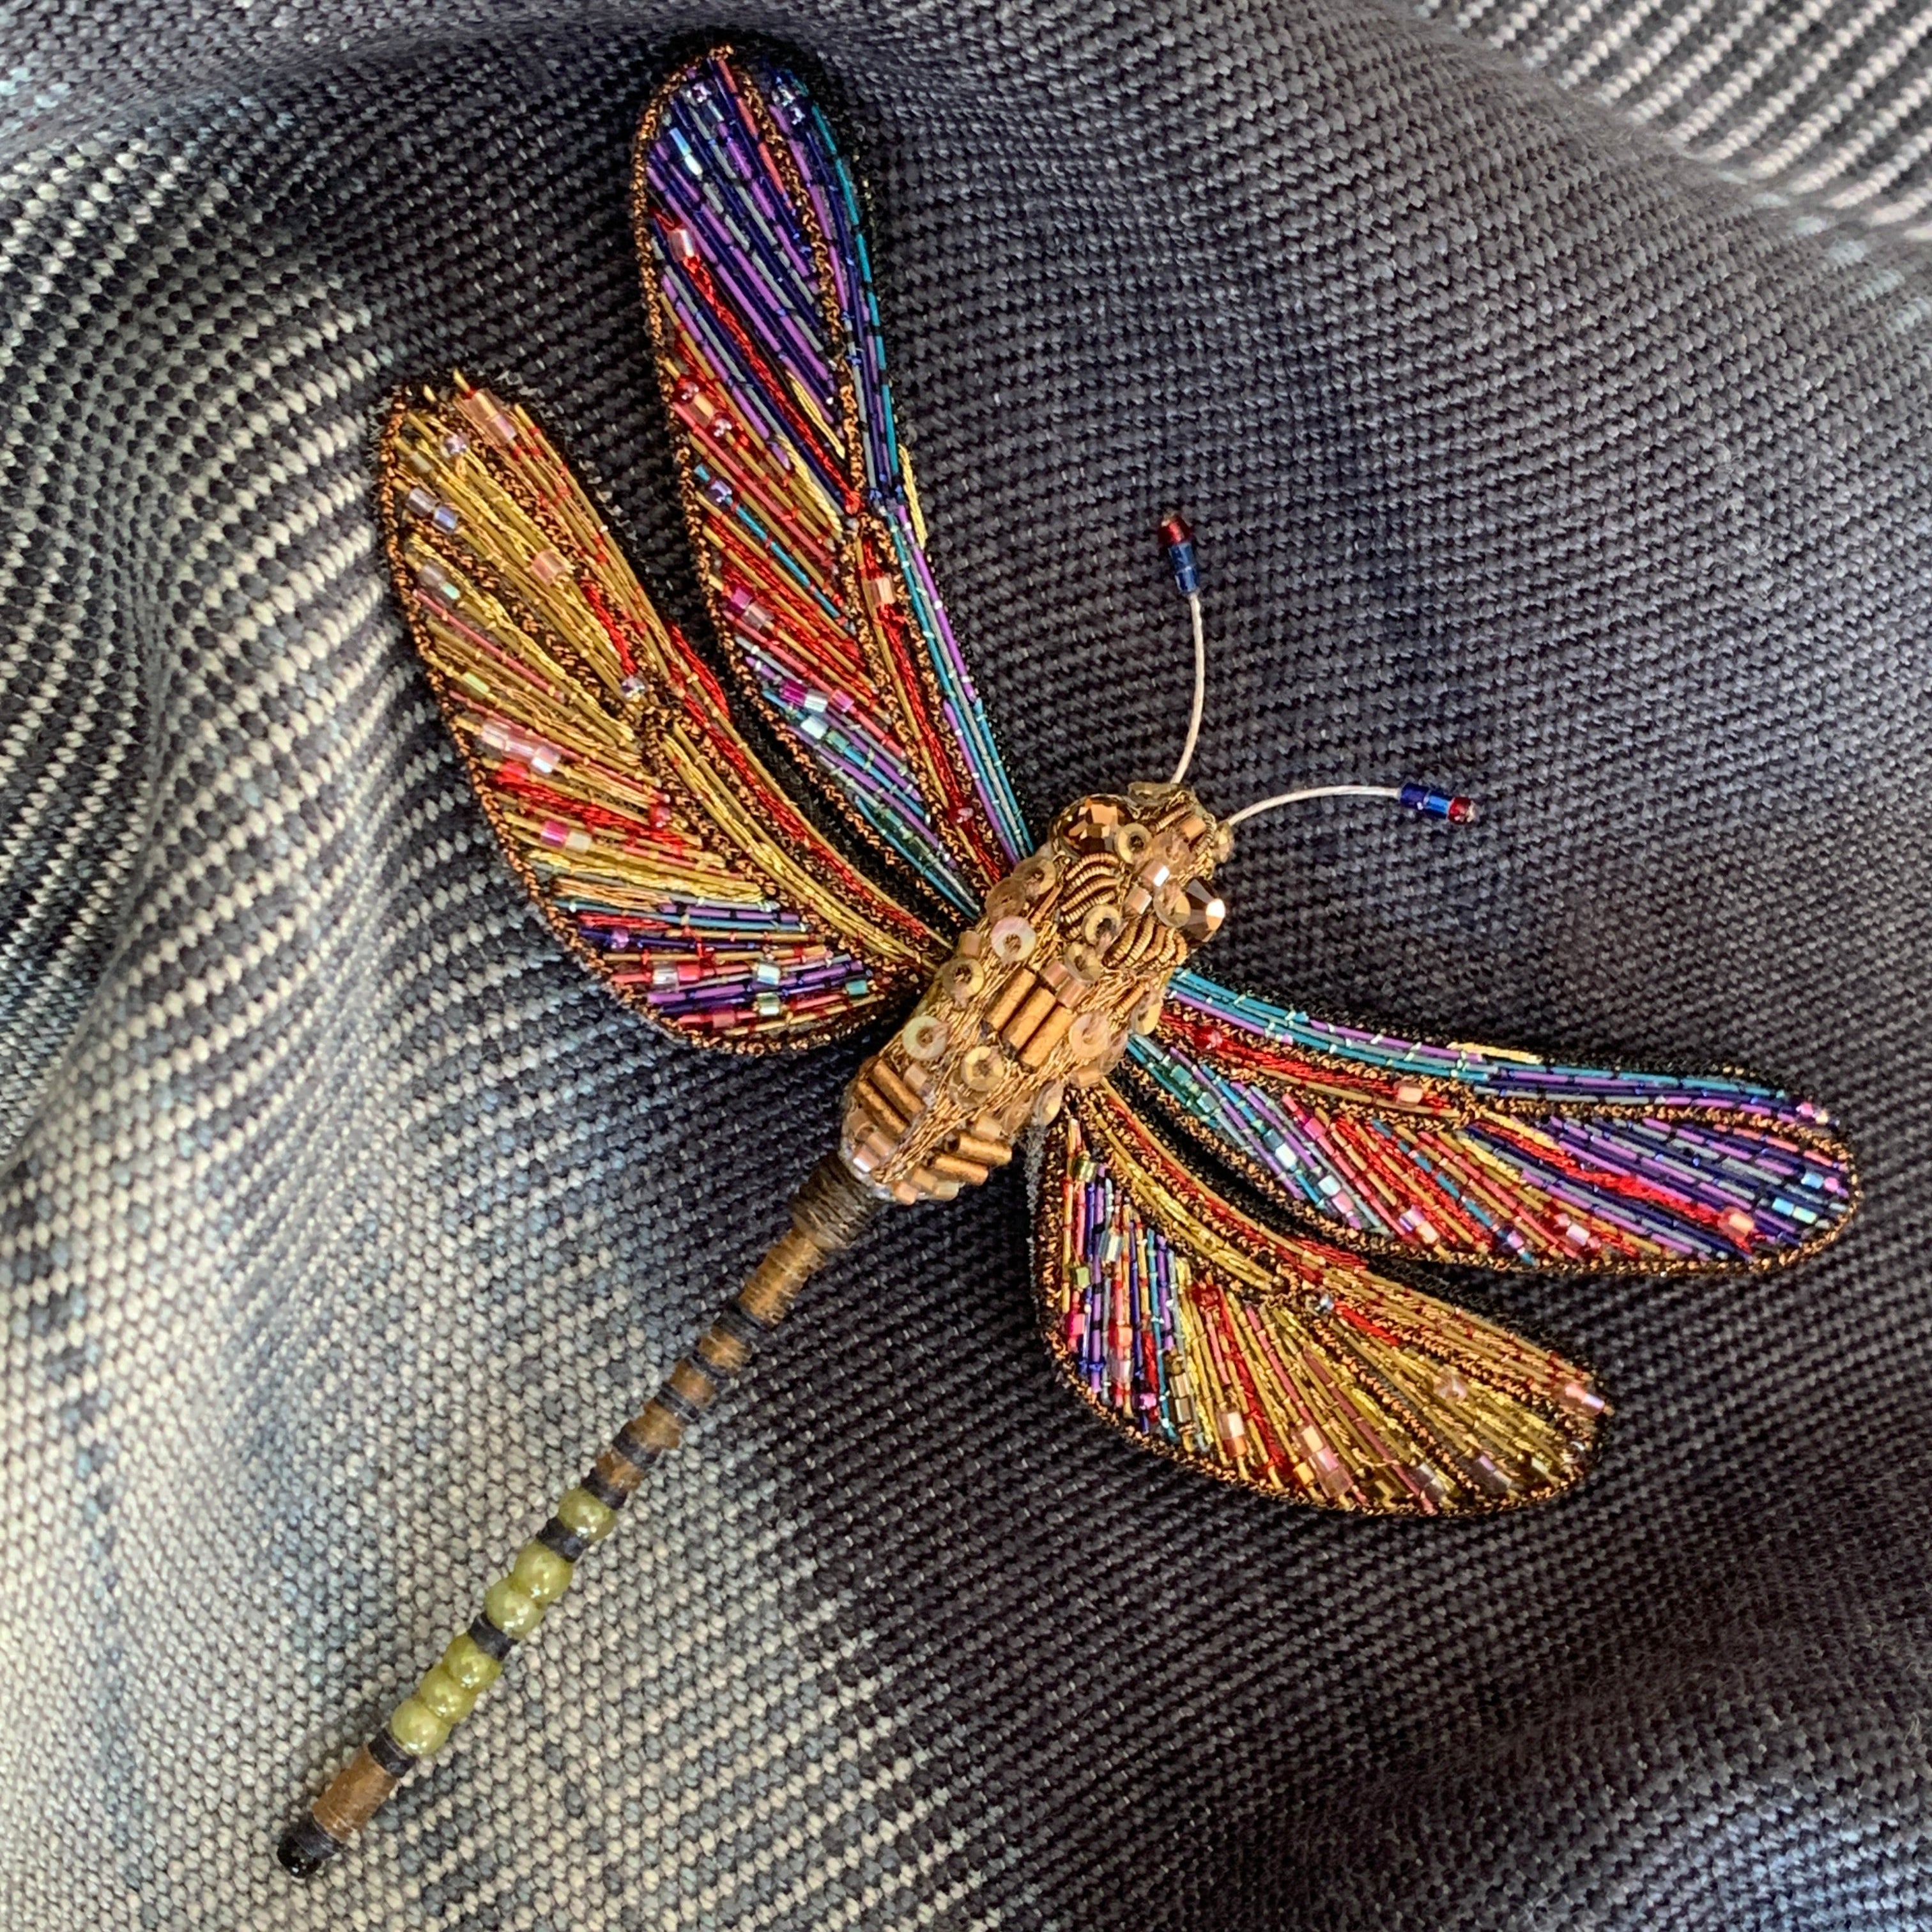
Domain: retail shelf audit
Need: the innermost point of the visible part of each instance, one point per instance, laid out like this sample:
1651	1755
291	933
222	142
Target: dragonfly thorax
1070	958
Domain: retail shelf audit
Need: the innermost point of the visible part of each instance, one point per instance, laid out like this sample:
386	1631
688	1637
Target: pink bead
1580	1399
747	610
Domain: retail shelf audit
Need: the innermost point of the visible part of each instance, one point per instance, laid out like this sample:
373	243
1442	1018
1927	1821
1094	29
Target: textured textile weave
341	1215
1834	101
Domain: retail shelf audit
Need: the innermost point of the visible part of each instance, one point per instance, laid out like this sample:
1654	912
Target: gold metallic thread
354	1796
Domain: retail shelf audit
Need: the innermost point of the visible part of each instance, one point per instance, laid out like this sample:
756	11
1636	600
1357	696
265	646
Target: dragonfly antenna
1450	805
1178	537
1180	541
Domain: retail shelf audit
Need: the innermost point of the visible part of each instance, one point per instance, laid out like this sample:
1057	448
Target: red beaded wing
1475	1154
804	521
604	754
1284	1364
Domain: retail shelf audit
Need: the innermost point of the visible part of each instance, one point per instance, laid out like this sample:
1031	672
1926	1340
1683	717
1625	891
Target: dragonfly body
1220	1183
1068	960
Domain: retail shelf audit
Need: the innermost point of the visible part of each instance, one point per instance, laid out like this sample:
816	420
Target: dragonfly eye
1206	909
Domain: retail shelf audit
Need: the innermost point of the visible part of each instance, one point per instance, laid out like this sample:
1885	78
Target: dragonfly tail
829	1213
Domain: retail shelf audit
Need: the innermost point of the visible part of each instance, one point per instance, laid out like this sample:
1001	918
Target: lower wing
604	753
1283	1363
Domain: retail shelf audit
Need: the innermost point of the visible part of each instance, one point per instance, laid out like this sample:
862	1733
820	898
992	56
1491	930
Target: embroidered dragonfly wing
604	754
1285	1364
1466	1153
803	517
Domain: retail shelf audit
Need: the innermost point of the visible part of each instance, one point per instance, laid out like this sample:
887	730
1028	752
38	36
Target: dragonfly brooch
1215	1178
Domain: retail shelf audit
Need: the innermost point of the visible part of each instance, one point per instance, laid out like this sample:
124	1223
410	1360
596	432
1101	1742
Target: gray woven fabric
343	1215
1832	102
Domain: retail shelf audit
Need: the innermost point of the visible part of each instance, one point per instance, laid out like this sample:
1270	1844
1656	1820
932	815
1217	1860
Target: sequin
927	1037
1012	939
981	1069
1101	926
961	979
1089	1035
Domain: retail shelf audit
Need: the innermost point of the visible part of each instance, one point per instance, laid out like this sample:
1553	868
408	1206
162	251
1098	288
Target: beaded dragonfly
1241	1325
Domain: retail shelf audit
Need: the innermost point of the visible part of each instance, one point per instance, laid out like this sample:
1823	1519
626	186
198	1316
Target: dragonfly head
1150	857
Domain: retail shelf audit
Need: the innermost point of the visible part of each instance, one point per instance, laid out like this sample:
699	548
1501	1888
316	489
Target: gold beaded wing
1280	1362
604	752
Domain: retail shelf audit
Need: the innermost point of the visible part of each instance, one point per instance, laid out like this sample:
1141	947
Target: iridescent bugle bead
1458	810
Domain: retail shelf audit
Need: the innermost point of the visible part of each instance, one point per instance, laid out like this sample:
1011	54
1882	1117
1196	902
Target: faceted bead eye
1089	833
1206	909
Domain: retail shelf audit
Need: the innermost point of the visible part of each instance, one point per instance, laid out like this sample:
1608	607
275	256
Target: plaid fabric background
1562	435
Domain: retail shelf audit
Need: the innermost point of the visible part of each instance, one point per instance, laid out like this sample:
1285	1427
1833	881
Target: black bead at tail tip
305	1847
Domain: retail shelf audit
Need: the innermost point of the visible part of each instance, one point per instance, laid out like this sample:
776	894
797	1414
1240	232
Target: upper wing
1282	1364
604	755
803	519
1473	1153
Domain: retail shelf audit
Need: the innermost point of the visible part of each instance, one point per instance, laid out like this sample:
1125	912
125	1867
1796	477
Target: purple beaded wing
1475	1154
804	521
